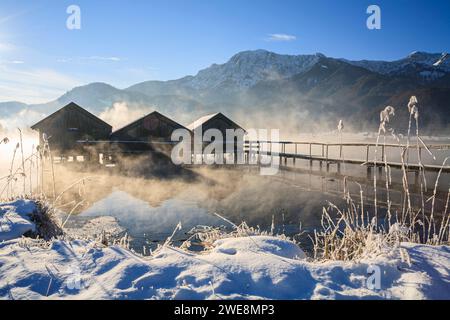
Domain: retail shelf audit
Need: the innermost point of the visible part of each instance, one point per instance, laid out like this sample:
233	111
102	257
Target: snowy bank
257	267
15	219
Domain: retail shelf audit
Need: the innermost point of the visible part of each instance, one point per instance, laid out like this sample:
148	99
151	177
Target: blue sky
125	42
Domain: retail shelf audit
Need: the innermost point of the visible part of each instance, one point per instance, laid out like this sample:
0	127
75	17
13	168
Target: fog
11	161
120	114
149	195
151	207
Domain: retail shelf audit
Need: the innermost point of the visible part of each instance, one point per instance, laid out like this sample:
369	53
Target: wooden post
295	157
259	152
310	150
271	152
340	151
367	154
280	151
416	181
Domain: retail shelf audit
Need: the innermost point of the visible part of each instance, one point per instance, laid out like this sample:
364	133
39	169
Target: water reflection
150	209
244	196
149	225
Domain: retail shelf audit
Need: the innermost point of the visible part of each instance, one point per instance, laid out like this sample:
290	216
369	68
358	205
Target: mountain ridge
310	86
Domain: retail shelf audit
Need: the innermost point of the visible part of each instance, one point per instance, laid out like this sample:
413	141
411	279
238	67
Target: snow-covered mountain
417	64
247	68
240	72
263	83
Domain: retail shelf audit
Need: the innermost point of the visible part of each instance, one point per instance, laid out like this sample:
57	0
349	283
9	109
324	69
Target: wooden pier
266	148
315	152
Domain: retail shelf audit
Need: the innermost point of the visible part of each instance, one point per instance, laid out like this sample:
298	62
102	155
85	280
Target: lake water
150	210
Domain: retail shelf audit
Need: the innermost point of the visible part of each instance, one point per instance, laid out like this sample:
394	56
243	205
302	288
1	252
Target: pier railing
266	147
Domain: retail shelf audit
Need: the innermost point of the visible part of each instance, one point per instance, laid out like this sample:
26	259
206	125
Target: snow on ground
15	219
78	227
258	267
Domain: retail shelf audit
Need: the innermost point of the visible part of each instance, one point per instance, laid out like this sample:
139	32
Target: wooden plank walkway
398	165
256	147
266	147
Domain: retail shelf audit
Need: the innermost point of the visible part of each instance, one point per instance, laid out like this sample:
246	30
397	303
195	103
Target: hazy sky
123	42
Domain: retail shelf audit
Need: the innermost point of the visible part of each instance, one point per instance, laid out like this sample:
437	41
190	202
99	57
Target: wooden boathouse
151	132
221	123
73	131
70	124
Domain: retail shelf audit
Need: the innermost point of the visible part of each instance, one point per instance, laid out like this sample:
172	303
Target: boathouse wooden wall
71	124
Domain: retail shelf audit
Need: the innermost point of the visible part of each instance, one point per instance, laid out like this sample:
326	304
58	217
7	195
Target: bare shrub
353	235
